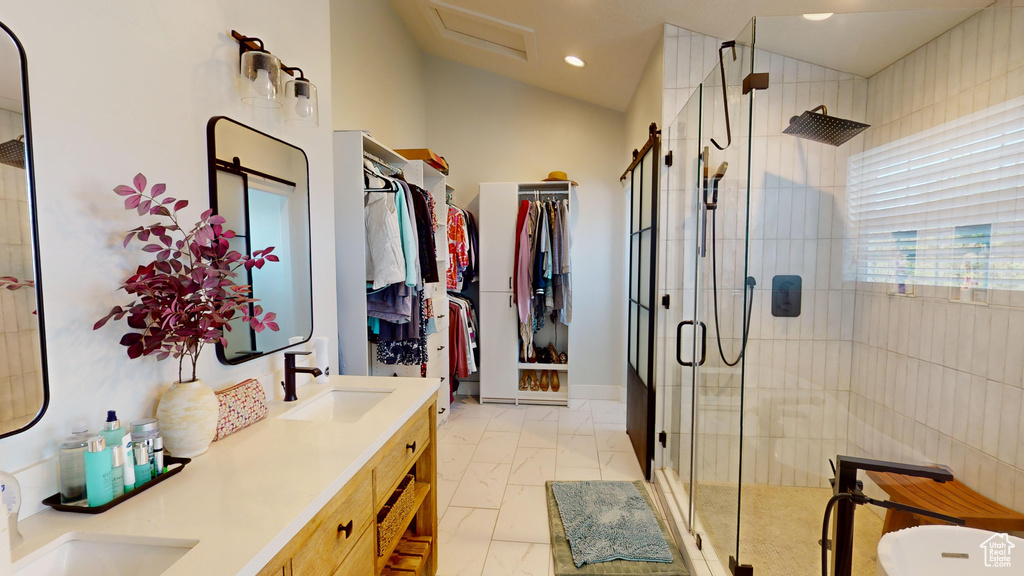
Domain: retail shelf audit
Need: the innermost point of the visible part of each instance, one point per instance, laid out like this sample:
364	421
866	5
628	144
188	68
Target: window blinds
942	207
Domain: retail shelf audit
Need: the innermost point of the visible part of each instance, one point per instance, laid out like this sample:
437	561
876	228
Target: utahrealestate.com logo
997	551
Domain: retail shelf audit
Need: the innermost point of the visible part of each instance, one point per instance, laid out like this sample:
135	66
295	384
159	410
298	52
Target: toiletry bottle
98	464
117	470
143	469
71	466
158	456
112	431
143	432
11	490
129	463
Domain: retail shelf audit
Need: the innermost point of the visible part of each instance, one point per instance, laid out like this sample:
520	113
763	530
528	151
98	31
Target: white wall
378	74
493	129
646	103
122	87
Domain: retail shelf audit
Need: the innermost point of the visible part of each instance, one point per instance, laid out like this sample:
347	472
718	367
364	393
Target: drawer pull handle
440	348
441	411
346	528
441	316
411	446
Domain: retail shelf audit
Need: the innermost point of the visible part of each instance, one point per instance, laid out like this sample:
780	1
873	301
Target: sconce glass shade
260	83
301	104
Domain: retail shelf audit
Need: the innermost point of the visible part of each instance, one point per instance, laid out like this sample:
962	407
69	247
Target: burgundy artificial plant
184	297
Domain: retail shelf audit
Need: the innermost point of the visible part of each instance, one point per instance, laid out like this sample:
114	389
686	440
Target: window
940	207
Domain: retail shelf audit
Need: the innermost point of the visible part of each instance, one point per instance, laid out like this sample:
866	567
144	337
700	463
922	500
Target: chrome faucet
849	493
290	370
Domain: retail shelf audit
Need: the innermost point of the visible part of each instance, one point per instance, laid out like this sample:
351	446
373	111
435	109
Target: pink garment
523	258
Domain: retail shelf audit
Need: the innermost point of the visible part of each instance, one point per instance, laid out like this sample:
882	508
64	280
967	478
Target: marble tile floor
493	460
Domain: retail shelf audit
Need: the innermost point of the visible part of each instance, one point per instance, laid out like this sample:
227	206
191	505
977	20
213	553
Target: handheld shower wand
719	174
711	184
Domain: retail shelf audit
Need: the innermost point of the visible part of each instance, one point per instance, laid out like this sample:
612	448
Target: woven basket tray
391	518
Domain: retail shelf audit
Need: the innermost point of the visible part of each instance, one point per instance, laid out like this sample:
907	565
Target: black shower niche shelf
169	462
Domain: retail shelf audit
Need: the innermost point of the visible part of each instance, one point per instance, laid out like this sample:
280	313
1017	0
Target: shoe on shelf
553	354
523	384
554	382
543	356
543	380
532	377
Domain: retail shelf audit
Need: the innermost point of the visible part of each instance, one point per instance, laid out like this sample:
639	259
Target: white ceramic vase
188	414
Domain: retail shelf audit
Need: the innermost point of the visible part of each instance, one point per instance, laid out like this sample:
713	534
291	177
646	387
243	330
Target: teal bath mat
608	528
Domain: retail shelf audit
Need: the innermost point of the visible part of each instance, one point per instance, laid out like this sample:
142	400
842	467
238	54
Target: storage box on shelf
501	367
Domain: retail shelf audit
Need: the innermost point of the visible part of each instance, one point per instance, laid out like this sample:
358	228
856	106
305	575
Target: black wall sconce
260	84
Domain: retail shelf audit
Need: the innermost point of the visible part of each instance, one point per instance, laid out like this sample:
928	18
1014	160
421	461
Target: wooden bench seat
950	498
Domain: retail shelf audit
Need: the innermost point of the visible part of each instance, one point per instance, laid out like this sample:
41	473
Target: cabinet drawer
333	538
399	453
441	313
437	344
360	561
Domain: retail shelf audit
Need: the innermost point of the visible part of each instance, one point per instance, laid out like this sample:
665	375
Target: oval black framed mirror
260	185
24	384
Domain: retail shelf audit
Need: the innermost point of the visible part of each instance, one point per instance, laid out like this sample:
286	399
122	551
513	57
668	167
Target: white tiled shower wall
21	388
935	380
797	369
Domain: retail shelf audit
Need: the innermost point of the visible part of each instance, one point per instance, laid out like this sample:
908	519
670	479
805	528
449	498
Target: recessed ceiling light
818	16
575	61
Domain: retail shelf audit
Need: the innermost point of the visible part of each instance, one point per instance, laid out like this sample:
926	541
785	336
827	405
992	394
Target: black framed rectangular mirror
260	185
24	389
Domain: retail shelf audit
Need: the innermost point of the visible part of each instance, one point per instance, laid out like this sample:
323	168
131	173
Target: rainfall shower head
823	128
12	152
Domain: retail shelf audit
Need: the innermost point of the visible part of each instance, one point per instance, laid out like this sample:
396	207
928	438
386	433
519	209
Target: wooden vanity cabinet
341	540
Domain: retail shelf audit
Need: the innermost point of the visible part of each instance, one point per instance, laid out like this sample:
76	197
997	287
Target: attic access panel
482	31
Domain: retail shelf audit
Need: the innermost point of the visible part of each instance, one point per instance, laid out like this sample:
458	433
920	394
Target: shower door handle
703	342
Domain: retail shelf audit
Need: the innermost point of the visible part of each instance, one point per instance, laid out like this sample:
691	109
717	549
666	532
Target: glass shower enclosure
788	239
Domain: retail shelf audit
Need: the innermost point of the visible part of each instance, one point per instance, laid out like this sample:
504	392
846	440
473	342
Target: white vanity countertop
254	490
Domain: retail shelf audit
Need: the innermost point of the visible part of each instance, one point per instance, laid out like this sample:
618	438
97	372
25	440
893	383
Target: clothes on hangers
462	332
401	258
473	243
542	285
385	260
458	252
425	231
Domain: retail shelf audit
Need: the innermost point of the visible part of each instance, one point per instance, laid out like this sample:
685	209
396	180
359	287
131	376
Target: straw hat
559	176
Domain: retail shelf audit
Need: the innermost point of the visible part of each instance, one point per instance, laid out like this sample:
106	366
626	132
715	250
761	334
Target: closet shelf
538	366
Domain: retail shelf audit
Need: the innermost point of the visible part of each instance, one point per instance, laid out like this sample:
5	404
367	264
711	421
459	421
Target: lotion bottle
11	490
112	430
129	463
116	470
143	469
98	472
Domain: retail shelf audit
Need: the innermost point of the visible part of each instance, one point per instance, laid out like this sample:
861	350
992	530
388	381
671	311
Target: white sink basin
339	405
80	554
949	551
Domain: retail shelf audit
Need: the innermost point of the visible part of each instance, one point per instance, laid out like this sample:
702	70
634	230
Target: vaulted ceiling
527	39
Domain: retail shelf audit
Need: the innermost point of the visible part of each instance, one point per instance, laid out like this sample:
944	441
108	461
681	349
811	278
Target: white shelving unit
358	355
500	368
